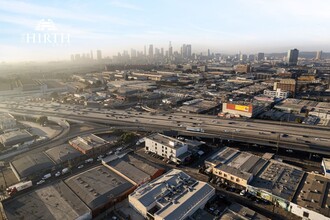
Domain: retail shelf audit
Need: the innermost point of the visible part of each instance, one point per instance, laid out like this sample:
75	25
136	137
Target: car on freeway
41	182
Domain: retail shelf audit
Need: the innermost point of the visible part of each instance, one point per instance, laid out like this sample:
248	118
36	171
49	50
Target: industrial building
277	182
221	157
312	200
16	137
7	121
31	165
50	202
63	153
249	110
167	147
89	144
234	167
240	170
296	105
174	195
99	188
133	169
198	106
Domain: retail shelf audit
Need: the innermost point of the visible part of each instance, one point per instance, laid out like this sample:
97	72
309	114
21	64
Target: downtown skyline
114	26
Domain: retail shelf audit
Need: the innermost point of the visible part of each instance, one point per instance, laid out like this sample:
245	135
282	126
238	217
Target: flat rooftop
62	153
166	140
313	194
173	194
50	202
97	186
238	212
15	137
222	156
135	175
31	164
88	142
280	179
247	162
150	169
234	171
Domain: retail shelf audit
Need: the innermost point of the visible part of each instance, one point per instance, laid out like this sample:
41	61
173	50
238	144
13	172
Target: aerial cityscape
164	110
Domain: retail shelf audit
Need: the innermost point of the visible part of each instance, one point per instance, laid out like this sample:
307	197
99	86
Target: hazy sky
225	26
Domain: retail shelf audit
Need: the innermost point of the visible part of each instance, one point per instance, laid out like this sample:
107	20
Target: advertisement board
242	108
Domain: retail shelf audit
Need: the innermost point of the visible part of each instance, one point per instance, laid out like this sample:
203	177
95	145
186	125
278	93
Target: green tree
42	120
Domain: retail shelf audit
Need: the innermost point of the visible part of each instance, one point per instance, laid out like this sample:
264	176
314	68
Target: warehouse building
89	144
31	165
50	202
312	200
174	195
249	110
16	137
221	157
64	153
133	169
100	188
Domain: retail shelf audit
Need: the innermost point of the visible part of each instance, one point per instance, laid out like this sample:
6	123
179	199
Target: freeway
304	138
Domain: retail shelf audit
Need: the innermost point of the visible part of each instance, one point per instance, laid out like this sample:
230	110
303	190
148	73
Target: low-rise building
174	195
277	182
63	153
167	147
89	144
99	188
240	170
278	93
233	167
16	137
133	169
221	157
56	201
312	200
32	165
249	110
7	121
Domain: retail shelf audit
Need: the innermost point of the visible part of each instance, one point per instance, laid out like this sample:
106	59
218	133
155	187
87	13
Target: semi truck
18	187
195	129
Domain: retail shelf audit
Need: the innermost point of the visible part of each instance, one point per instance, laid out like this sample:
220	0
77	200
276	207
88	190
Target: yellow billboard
243	108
